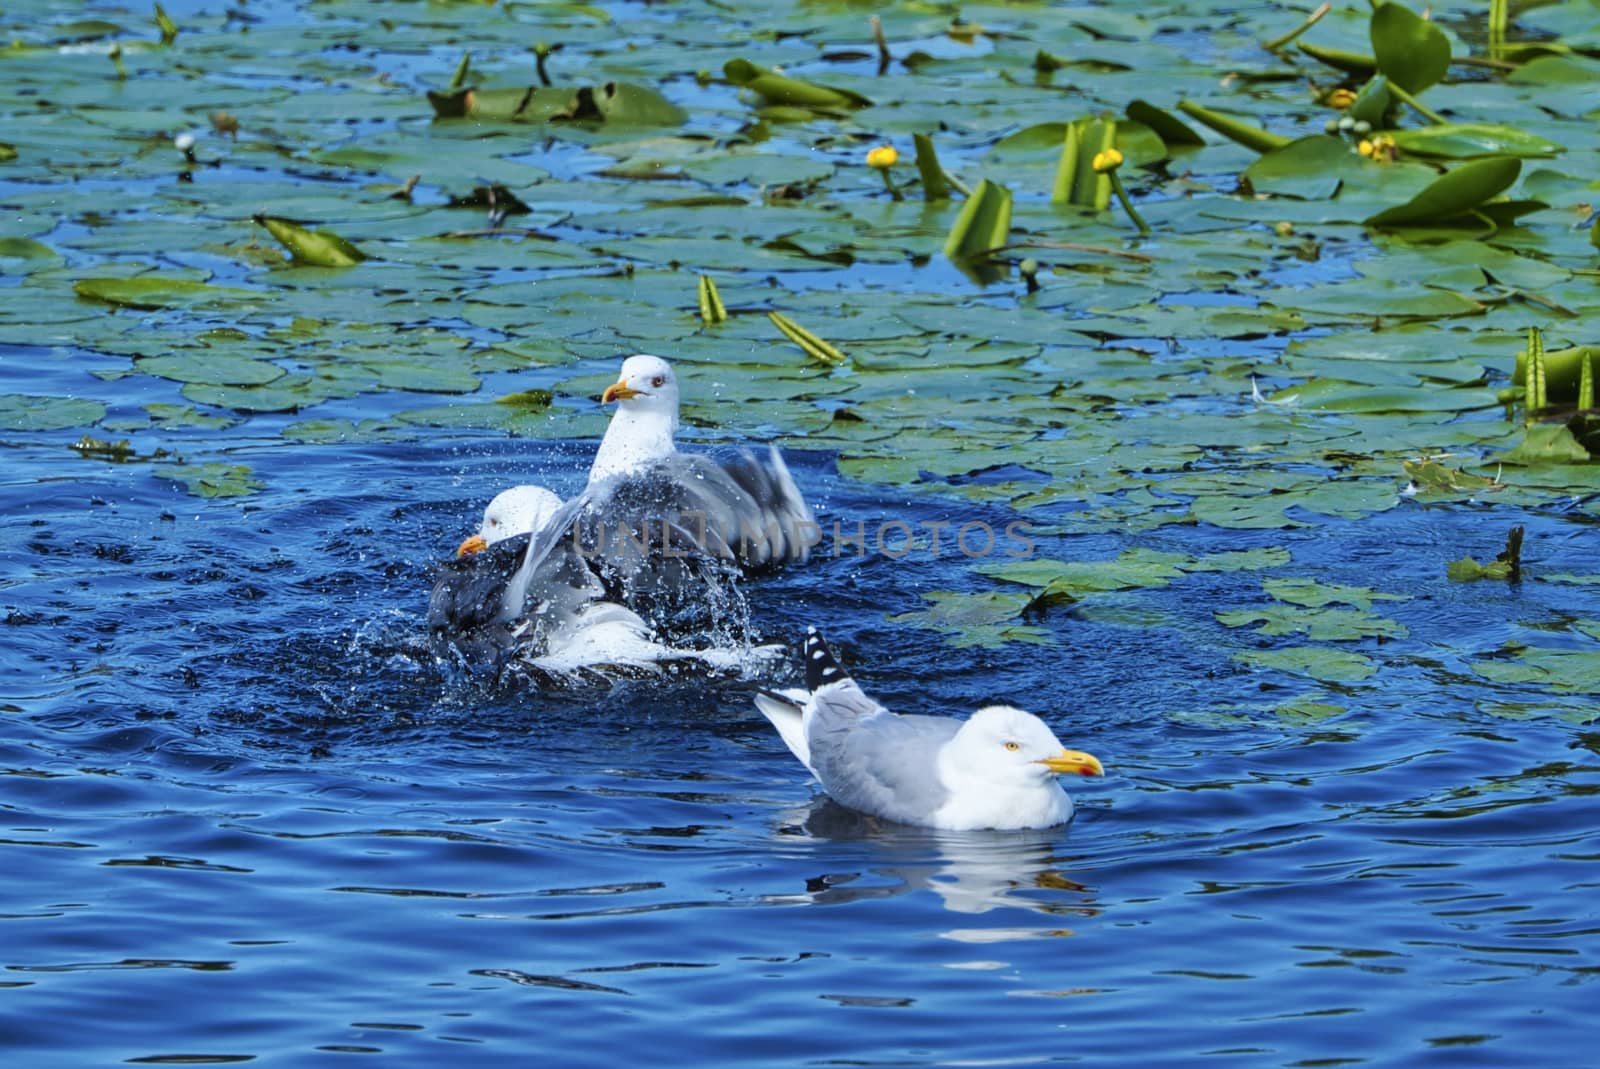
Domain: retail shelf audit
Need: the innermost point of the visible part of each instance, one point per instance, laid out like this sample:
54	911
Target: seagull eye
1013	746
659	381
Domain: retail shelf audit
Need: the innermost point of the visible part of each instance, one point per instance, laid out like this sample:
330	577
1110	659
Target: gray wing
870	759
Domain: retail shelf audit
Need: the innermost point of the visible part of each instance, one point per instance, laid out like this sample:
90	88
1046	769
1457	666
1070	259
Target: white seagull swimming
995	770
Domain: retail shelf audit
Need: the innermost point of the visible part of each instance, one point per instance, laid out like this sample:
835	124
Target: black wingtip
821	668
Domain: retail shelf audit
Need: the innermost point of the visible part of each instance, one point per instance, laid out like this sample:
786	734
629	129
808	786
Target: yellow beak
618	391
1073	761
475	544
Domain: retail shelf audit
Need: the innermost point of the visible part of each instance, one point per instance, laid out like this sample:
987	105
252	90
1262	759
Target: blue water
244	818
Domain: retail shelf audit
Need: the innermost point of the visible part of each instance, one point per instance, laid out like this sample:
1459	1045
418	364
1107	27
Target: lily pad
30	412
155	291
1325	663
211	480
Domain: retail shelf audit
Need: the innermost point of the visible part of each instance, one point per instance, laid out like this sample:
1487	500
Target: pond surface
1349	815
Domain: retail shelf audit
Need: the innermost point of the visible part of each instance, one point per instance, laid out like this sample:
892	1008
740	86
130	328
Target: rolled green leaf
1171	129
1352	63
315	248
814	346
1563	371
777	88
462	70
934	184
1251	137
984	222
711	307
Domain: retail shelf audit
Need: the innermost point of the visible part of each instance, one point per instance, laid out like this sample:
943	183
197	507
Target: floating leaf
29	412
211	480
987	619
1547	444
813	345
316	248
1319	625
1411	51
1312	594
155	291
1311	168
1454	193
217	369
1326	663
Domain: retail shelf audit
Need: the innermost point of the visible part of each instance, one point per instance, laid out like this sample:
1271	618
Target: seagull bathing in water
540	571
996	770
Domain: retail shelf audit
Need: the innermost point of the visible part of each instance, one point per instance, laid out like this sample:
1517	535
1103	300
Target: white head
519	510
646	393
1009	747
646	385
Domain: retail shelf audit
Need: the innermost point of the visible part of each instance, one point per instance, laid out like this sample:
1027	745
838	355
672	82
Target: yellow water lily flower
1381	148
883	156
1339	98
1108	160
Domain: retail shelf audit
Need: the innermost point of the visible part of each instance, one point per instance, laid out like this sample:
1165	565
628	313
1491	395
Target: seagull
995	770
641	432
517	511
657	536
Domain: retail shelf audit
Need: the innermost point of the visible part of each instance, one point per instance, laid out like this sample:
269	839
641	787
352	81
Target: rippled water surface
245	819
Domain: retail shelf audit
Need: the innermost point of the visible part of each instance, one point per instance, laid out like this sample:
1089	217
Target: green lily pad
30	412
1324	663
154	291
1312	594
1564	671
987	619
216	369
211	480
1547	444
1319	625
